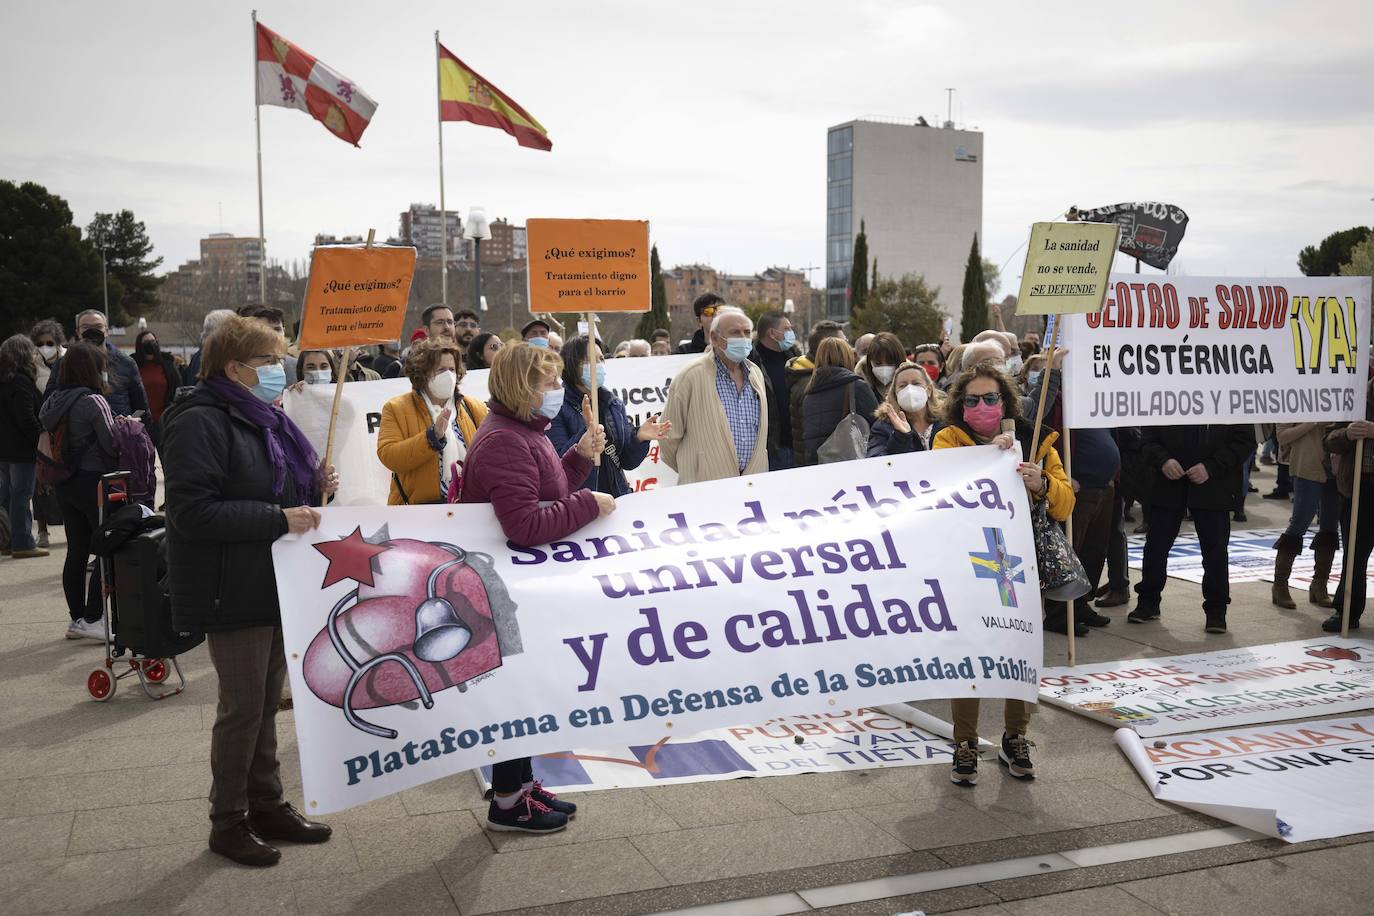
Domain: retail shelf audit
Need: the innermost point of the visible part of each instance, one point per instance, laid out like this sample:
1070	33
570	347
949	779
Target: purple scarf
287	447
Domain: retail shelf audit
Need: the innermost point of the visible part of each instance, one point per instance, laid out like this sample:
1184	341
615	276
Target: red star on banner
350	558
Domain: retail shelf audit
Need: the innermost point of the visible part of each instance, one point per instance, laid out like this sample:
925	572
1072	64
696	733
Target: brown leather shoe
286	823
240	844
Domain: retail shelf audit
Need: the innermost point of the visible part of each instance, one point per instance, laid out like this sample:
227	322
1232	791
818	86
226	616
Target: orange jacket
404	449
1060	495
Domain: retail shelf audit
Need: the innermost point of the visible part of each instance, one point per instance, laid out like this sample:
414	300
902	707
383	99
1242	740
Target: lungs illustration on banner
426	616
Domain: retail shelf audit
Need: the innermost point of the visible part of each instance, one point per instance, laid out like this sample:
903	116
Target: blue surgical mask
553	402
737	349
541	342
271	383
1033	378
600	375
789	339
318	376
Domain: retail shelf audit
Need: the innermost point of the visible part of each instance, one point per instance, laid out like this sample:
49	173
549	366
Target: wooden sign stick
593	388
344	363
1350	541
1068	532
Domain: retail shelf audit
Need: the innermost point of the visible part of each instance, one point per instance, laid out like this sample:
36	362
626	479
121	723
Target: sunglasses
708	312
992	397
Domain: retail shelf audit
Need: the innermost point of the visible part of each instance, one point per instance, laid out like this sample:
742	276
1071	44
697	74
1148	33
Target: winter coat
173	376
18	420
1339	444
88	444
1060	497
126	396
696	345
222	516
700	446
1306	447
567	430
404	449
883	439
44	369
833	394
1220	449
774	366
798	374
512	465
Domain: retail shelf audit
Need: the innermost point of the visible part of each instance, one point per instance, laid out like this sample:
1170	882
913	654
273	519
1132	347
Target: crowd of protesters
239	474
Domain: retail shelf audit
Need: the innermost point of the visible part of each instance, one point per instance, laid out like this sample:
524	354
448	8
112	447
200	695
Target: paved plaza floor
102	809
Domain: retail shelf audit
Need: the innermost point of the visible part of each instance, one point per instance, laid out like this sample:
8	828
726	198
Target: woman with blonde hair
426	432
535	493
909	417
981	399
834	392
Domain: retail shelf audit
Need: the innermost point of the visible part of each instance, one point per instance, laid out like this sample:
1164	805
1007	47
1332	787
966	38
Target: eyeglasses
992	397
469	324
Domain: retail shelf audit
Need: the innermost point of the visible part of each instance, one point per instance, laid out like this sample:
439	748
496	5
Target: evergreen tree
657	316
974	317
132	286
858	272
874	283
46	271
1325	259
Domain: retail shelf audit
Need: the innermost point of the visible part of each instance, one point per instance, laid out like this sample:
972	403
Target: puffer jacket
404	448
883	439
824	405
567	429
88	444
18	419
798	373
222	516
1059	496
512	465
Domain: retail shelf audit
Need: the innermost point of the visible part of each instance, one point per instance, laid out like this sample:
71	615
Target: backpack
134	453
52	466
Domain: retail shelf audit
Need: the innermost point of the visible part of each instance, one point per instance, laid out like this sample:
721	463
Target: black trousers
1118	577
81	519
509	775
1092	516
1213	528
1364	546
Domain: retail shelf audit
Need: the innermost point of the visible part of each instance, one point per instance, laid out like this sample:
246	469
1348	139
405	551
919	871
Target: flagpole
443	208
257	127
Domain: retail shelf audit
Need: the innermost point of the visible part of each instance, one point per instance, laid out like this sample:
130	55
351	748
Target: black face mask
93	335
149	348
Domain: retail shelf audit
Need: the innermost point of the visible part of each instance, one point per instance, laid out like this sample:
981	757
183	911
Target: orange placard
356	296
588	265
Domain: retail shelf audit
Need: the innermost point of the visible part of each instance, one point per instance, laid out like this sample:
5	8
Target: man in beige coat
718	408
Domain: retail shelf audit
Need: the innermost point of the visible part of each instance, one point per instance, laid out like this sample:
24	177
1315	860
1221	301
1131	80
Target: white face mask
884	373
442	386
319	376
1013	364
913	398
48	353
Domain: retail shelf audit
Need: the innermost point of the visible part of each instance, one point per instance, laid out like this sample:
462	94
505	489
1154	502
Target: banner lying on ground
1167	350
1250	558
1305	781
640	383
1274	683
687	609
861	739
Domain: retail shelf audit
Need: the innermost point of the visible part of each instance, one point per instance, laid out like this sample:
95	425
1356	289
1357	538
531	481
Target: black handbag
1062	577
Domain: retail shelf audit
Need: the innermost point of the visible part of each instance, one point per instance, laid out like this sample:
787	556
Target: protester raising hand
441	422
652	430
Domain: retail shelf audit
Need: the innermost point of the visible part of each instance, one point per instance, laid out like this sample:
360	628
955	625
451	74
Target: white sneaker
80	629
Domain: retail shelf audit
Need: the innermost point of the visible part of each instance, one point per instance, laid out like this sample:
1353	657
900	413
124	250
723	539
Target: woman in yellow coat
980	400
425	433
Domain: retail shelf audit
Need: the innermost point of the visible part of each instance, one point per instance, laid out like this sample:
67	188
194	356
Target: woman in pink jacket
512	465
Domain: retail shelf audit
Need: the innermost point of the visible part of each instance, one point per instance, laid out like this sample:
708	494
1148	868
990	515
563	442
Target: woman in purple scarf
239	475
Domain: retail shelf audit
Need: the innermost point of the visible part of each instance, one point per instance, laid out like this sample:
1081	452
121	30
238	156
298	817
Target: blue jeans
1314	499
16	495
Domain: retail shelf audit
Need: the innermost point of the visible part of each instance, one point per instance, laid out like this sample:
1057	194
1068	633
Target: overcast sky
707	118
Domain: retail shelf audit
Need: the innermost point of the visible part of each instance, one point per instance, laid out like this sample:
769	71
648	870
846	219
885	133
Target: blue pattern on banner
693	758
555	772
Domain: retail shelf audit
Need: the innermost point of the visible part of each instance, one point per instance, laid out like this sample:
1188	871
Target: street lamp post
104	283
477	229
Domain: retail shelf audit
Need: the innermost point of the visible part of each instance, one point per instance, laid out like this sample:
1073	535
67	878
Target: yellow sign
1067	265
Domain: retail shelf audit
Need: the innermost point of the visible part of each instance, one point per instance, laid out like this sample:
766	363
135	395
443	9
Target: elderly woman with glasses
983	409
240	475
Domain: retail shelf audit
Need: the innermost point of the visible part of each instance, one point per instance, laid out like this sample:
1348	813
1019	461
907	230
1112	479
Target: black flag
1150	230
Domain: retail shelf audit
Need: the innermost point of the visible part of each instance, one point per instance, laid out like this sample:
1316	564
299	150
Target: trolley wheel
100	683
155	671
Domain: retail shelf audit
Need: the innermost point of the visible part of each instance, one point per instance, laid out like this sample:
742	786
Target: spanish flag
466	96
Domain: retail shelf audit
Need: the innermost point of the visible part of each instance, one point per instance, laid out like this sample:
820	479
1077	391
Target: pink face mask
984	419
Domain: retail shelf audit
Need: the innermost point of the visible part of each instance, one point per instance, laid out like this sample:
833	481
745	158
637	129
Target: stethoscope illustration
440	634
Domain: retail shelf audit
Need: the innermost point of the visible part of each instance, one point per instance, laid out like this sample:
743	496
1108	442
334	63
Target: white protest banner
1249	558
830	742
1304	781
640	383
689	608
1274	683
1167	350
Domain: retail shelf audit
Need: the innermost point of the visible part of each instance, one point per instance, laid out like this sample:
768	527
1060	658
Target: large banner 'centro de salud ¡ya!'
1167	350
690	608
640	383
